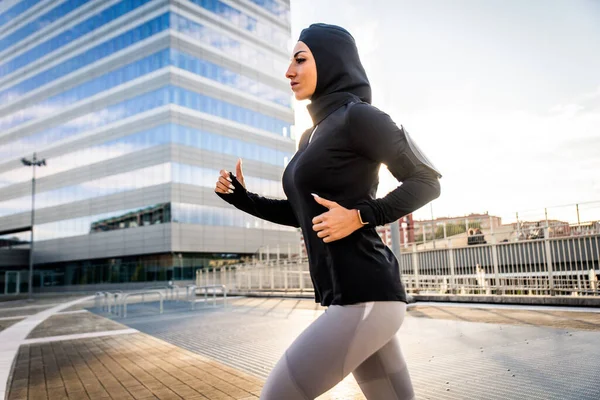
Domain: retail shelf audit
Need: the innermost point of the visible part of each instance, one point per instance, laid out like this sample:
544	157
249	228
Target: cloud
567	110
584	103
503	162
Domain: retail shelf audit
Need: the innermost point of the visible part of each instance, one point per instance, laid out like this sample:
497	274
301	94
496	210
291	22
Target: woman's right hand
224	184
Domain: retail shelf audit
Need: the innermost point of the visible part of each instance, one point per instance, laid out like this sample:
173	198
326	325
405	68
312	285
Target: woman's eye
300	60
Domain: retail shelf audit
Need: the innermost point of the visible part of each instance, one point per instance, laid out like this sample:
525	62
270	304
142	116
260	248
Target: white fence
551	266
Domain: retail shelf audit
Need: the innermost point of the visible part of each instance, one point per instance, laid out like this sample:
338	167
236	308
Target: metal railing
104	298
171	291
205	289
115	301
126	296
548	266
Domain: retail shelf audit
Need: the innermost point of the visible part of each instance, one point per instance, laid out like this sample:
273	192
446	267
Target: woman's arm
374	135
273	210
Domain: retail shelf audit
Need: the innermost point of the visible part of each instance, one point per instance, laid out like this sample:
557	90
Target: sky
502	95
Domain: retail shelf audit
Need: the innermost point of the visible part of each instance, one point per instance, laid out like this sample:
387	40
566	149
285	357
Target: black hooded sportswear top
339	159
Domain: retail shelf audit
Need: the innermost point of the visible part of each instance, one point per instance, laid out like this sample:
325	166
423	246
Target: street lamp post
34	162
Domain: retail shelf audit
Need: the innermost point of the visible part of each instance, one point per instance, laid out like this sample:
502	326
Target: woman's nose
290	73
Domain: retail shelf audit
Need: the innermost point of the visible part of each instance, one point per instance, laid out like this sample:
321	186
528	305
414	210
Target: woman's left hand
335	224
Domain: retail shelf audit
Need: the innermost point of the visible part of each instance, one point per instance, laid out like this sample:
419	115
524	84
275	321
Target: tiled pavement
127	366
135	366
66	324
5	323
516	354
216	354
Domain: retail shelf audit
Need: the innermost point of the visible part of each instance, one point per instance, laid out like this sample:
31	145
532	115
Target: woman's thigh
384	375
331	347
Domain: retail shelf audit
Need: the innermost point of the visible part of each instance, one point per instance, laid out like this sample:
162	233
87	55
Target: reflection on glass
217	216
35	25
275	8
263	30
111	46
144	268
153	215
242	52
20	239
247	55
157	214
206	177
168	133
154	62
16	10
230	78
137	105
65	37
55	104
133	180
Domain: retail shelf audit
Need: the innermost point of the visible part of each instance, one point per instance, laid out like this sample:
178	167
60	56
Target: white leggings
359	338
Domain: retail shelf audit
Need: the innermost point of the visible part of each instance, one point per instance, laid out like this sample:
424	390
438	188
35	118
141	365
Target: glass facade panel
274	8
142	67
132	180
16	10
168	133
103	50
246	54
227	77
137	105
42	21
116	220
217	216
263	30
65	37
112	184
147	268
56	103
15	240
157	214
23	72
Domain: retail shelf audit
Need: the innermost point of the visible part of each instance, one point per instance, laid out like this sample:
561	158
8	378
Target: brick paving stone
167	394
134	366
17	312
142	367
140	392
5	324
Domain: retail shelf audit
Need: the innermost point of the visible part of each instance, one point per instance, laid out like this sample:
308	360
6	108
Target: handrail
127	295
101	295
172	288
205	290
189	291
105	295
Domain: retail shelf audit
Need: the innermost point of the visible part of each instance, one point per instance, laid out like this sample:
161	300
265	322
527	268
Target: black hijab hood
341	77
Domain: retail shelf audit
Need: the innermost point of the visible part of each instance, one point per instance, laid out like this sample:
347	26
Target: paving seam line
12	337
80	336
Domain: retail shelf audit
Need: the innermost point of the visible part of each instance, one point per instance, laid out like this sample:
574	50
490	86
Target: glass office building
136	105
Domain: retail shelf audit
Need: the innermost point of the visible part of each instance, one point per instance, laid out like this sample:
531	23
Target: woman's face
302	72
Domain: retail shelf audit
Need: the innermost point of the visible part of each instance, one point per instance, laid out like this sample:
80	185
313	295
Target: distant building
136	106
449	226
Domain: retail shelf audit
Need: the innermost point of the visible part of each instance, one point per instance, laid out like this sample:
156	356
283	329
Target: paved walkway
12	337
453	351
126	366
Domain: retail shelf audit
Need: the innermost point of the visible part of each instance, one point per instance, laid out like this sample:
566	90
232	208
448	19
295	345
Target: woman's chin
300	96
